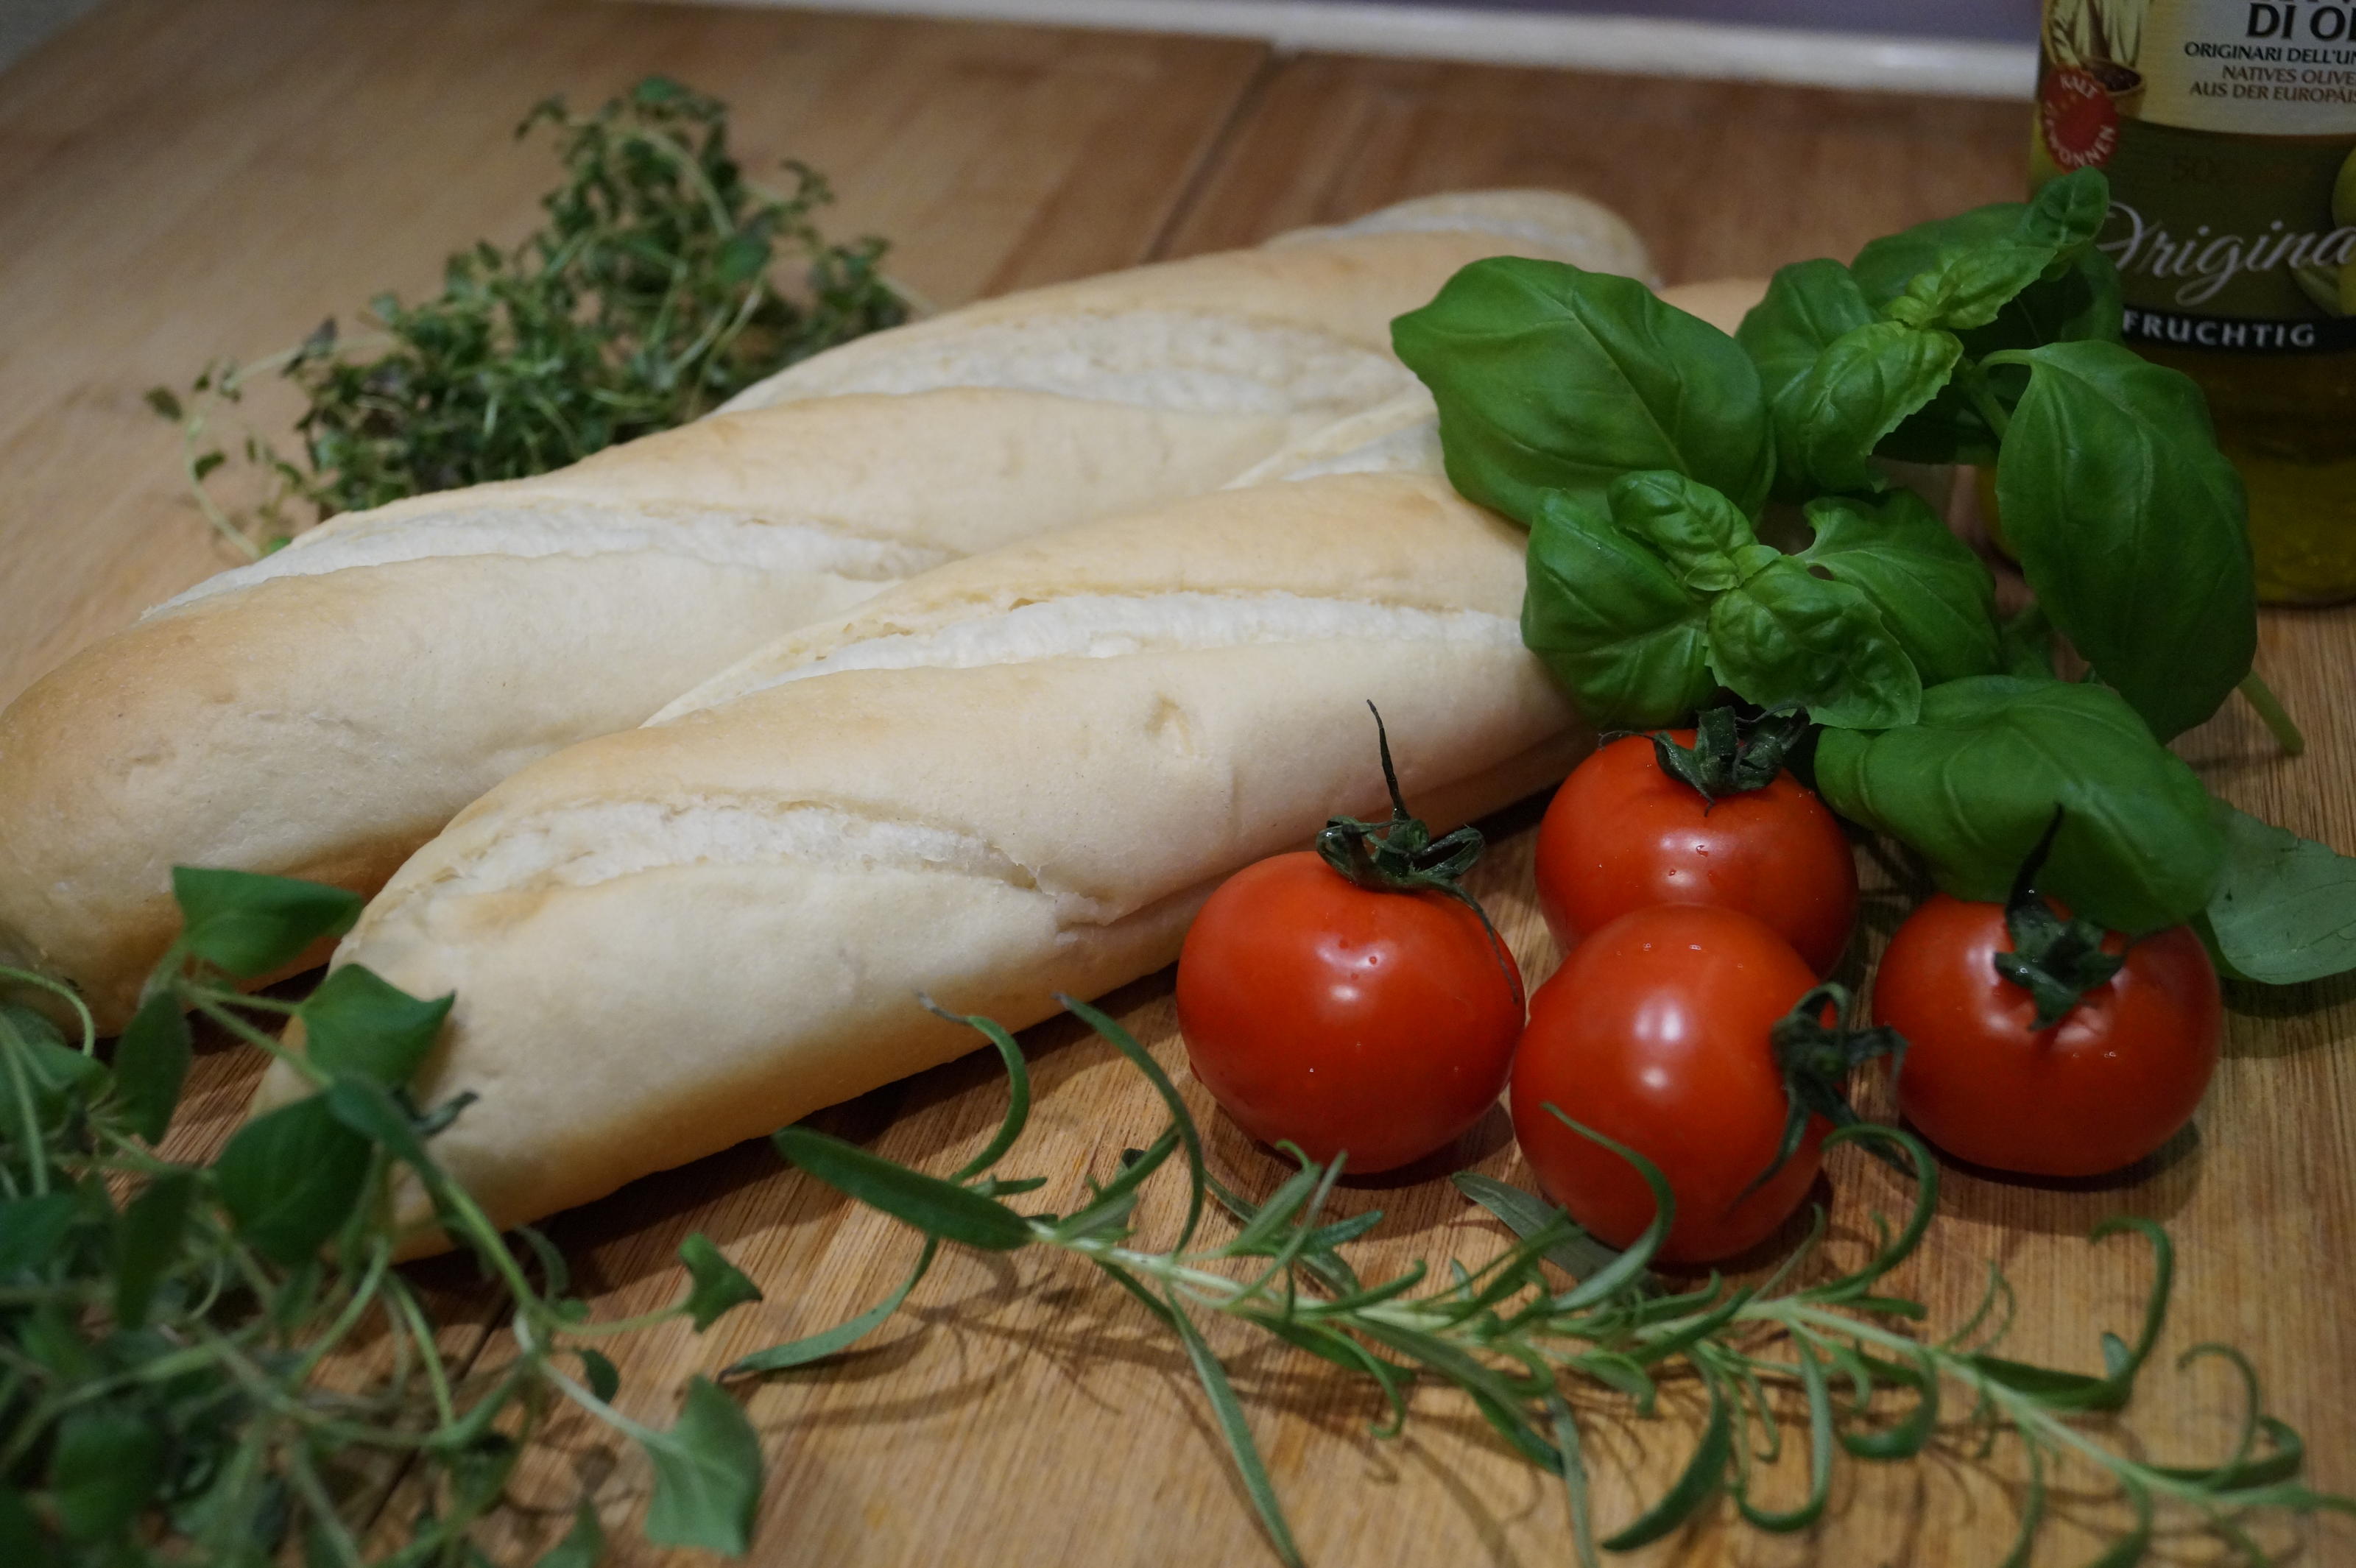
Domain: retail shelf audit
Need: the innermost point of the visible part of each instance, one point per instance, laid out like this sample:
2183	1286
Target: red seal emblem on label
2079	120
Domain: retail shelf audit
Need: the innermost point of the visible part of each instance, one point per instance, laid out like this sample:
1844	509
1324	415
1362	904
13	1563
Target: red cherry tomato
1621	834
2105	1086
1654	1033
1343	1017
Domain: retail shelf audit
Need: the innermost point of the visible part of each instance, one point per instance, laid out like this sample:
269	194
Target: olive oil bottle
2228	131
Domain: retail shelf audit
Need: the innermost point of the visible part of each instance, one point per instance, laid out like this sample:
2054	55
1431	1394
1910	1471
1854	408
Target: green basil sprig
1645	603
1974	785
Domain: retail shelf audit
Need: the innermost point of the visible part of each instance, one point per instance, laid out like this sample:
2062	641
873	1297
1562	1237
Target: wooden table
180	180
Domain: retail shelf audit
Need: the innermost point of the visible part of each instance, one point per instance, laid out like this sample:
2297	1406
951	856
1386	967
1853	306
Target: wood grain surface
184	181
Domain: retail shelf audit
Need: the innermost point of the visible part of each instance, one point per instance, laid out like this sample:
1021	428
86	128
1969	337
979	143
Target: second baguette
1016	775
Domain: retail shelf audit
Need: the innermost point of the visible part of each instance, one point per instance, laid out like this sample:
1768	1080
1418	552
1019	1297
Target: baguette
322	712
1016	775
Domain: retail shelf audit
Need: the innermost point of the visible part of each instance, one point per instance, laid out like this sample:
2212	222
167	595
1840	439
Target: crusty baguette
1017	774
322	712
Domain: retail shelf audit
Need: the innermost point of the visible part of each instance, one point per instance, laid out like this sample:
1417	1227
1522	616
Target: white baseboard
1640	45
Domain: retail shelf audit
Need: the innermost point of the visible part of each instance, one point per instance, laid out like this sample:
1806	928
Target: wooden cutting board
186	178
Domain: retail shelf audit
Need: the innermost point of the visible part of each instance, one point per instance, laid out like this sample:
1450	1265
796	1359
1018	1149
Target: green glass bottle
2228	131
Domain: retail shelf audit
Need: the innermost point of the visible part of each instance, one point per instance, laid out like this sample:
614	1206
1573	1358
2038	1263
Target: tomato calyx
1402	857
2057	959
1815	1060
1732	755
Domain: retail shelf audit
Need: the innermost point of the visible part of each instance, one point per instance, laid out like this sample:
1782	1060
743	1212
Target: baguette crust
759	887
322	712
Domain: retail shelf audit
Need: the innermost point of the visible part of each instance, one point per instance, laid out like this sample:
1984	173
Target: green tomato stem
2277	718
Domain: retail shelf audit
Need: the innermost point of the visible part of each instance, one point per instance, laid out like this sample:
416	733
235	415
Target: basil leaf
707	1474
1861	387
250	924
1695	530
1807	306
1975	783
1934	595
1786	638
359	1024
2285	910
1549	379
290	1177
1887	265
1968	286
1611	620
2130	525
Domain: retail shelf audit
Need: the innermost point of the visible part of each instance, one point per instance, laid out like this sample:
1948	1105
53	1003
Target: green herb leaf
936	1207
2285	910
605	1378
108	1464
1609	619
1864	384
1786	638
1935	596
1808	305
1976	783
251	925
290	1178
1706	541
841	1337
54	1075
151	1063
147	1243
1968	286
716	1285
2129	524
1526	1214
1704	1474
359	1025
1228	1412
1551	378
33	1231
583	1545
707	1474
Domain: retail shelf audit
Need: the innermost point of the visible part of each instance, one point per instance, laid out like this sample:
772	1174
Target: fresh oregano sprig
1840	1358
648	297
174	1382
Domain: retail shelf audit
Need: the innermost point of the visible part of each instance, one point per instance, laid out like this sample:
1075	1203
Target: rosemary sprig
1841	1356
647	299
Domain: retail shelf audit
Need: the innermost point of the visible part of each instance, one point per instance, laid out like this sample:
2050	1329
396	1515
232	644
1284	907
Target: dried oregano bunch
650	295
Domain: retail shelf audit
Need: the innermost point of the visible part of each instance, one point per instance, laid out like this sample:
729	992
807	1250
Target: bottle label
2228	130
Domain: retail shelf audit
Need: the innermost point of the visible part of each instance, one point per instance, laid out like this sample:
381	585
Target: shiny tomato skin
1341	1017
2105	1086
1621	834
1654	1033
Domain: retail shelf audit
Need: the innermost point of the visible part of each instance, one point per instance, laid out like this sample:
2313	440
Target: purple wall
2005	21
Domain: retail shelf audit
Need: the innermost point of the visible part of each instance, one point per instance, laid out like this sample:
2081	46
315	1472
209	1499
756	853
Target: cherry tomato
1621	834
1343	1017
1654	1033
2109	1083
